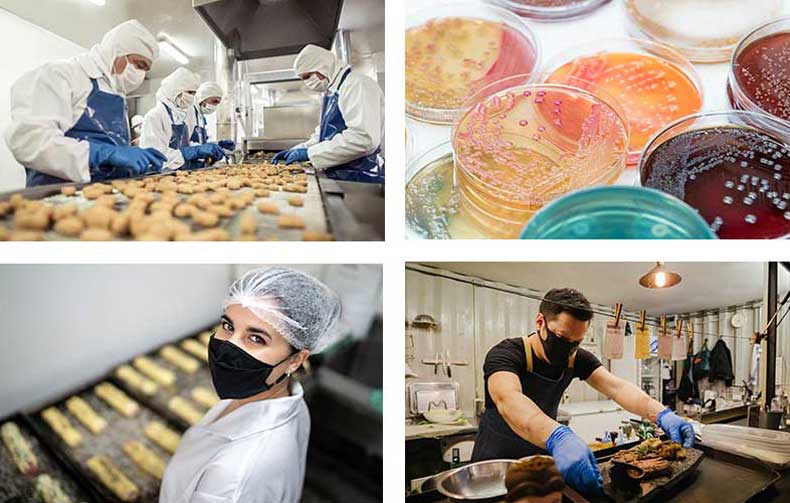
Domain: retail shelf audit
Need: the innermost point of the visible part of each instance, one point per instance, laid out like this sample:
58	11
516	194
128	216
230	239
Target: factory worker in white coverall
168	126
252	446
347	142
209	96
69	119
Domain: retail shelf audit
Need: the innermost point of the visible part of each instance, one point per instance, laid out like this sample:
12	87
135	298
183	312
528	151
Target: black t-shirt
509	356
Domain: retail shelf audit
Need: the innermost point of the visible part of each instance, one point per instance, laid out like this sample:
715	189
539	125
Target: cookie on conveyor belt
154	371
49	490
162	436
64	211
61	425
296	201
136	380
204	397
96	235
178	358
290	221
195	348
145	459
113	478
25	235
19	448
184	409
117	399
70	227
316	236
268	208
68	191
85	414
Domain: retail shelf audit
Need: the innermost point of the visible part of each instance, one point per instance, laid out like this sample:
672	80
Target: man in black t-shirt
525	379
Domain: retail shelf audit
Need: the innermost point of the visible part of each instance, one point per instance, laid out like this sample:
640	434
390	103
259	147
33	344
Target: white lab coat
255	454
45	103
362	104
158	129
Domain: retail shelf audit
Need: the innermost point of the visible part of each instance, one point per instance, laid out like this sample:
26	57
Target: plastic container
733	167
550	10
653	84
759	79
705	31
769	446
618	212
455	48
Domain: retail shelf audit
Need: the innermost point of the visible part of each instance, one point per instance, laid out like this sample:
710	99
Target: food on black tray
184	409
19	448
651	458
61	425
85	414
178	358
50	491
204	397
154	371
146	459
113	478
162	436
136	380
195	348
117	399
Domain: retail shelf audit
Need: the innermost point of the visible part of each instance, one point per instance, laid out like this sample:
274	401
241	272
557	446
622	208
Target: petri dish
551	10
520	147
457	48
653	84
759	77
705	31
618	212
732	167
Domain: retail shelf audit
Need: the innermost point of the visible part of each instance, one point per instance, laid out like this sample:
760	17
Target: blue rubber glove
205	151
575	461
679	431
112	161
296	155
227	144
280	156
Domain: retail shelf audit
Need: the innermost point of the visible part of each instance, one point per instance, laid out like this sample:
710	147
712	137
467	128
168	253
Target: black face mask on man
557	349
236	373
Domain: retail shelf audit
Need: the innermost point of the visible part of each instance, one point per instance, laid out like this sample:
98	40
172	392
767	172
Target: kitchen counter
417	431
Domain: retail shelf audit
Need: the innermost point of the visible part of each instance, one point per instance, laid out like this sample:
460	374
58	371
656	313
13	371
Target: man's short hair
565	300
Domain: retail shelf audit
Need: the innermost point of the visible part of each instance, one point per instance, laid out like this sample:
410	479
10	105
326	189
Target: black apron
495	439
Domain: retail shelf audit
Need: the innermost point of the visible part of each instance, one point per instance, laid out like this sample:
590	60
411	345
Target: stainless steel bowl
483	481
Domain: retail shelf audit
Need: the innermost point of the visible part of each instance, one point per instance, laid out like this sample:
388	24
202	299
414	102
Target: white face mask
185	100
314	83
208	109
131	79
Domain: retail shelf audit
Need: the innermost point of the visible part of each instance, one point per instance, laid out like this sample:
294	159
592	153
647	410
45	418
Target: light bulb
661	279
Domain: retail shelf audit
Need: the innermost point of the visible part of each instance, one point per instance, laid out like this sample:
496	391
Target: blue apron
200	134
103	121
365	169
180	139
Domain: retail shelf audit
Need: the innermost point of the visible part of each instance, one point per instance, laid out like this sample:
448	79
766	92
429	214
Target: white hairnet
208	90
315	59
137	120
304	310
129	37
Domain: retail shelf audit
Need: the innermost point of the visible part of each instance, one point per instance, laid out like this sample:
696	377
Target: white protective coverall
255	454
361	102
48	101
205	91
157	125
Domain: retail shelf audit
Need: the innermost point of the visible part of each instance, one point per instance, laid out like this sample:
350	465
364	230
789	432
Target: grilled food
184	409
50	491
195	348
19	448
117	399
113	478
649	459
85	414
204	397
145	459
136	380
162	436
61	425
178	358
159	374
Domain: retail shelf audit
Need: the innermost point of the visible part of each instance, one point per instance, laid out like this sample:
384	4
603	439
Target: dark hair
565	300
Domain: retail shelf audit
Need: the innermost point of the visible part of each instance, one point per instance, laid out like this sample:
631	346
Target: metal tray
18	488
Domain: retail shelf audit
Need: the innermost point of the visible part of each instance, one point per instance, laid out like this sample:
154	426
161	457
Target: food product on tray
136	380
70	227
50	491
316	236
162	436
184	409
96	235
117	399
204	397
150	368
85	414
61	425
146	459
649	459
19	448
195	348
290	222
68	191
296	201
113	478
268	208
178	358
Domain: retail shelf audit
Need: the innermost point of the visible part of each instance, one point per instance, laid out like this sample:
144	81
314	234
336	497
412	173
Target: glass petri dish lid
759	78
733	167
456	48
653	84
551	10
618	212
705	31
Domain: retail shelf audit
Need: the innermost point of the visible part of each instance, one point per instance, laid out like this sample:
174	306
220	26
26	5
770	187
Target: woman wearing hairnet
68	118
251	447
168	126
347	142
137	129
209	96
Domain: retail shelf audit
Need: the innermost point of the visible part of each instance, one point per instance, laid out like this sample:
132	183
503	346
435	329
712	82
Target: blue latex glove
575	461
296	155
205	151
679	431
227	144
116	162
280	156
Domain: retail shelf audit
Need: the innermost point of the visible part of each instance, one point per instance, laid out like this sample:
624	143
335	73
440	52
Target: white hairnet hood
208	90
129	37
304	310
177	82
316	59
137	120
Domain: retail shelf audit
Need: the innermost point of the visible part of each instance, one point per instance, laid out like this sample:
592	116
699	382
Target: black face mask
558	350
236	373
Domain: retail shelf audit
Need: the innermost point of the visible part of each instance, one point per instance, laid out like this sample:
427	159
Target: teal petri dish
617	212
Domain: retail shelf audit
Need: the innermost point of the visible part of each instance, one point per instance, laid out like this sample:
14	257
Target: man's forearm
636	401
526	419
